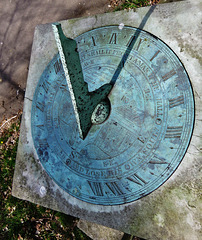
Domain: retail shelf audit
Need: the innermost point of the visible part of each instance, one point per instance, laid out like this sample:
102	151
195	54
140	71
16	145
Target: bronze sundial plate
146	134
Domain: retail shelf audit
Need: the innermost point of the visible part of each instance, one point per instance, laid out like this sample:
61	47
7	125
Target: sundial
137	84
108	120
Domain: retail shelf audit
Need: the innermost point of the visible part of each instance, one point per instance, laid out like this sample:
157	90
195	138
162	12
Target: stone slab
174	210
99	232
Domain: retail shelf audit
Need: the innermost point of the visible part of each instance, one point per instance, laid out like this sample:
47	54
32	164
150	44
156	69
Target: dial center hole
101	112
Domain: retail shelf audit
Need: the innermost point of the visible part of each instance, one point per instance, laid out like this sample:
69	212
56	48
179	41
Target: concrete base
99	232
174	210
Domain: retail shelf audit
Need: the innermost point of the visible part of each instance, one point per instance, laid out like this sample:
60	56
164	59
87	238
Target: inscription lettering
152	141
176	101
130	164
113	39
155	55
109	162
43	143
137	179
147	94
153	81
85	64
159	105
114	188
173	132
125	99
168	75
96	188
57	66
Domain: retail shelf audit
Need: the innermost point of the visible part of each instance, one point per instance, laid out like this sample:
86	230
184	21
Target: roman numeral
176	101
113	39
137	48
45	85
131	41
40	106
137	179
93	39
155	55
57	66
173	132
96	188
43	143
40	126
114	188
168	75
157	160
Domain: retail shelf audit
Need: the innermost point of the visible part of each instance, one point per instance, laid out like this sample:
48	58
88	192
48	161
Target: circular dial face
148	129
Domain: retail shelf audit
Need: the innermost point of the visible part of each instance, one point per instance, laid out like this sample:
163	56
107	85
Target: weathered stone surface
98	232
174	210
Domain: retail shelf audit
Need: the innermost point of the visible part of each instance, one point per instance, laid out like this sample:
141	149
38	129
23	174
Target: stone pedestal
173	211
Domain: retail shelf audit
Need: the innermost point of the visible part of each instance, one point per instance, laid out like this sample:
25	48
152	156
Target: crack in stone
29	99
